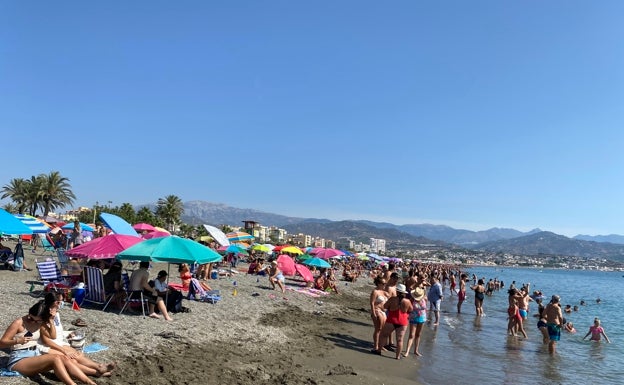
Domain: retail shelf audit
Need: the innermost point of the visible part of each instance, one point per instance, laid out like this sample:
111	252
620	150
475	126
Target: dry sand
246	338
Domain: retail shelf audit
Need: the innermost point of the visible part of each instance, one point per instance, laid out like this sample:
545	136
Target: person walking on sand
435	298
417	319
596	332
554	320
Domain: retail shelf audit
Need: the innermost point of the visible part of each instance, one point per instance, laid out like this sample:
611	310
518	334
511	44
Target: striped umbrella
238	236
37	226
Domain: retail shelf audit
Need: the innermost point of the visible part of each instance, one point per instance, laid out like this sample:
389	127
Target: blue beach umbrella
83	226
316	262
118	224
171	249
11	225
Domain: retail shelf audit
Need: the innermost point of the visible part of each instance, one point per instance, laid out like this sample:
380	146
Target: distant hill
200	212
612	238
451	235
359	232
546	242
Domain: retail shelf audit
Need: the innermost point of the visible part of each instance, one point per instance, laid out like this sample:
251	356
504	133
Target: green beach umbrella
170	249
303	257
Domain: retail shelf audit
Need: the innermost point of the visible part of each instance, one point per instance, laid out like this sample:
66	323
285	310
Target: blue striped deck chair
197	292
132	297
95	287
50	274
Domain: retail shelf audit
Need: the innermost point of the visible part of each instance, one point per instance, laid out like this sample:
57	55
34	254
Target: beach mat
307	291
94	348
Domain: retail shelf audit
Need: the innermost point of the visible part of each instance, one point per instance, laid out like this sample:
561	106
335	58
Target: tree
33	194
17	190
170	209
145	215
126	211
54	192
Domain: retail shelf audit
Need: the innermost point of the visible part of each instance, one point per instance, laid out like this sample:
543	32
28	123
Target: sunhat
274	262
401	288
418	294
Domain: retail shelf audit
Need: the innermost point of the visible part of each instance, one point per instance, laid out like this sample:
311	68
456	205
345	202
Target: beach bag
174	301
18	254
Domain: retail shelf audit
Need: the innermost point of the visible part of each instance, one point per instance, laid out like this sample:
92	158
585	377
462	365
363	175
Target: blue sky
472	114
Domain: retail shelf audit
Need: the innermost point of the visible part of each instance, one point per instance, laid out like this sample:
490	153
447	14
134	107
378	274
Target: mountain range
533	242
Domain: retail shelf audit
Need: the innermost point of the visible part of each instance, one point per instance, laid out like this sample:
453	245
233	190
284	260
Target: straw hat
418	294
401	288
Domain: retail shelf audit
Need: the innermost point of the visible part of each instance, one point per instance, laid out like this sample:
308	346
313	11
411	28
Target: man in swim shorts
554	319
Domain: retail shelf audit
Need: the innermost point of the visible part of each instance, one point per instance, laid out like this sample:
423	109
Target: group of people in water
397	307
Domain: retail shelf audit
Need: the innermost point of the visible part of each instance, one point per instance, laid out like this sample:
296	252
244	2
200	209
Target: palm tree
33	194
54	192
126	211
170	209
17	190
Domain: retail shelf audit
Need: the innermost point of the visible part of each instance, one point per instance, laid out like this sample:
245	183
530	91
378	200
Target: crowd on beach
406	296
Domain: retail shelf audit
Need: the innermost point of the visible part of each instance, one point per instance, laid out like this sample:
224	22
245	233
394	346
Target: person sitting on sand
54	338
186	277
596	332
113	285
26	358
276	276
139	281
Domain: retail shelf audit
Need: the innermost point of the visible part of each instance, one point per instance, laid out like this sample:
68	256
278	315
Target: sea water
466	349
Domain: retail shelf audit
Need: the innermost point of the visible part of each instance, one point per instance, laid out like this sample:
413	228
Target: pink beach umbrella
328	253
143	227
155	234
286	264
304	272
103	247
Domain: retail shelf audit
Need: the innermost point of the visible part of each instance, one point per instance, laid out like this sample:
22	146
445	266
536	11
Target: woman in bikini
378	298
25	356
417	319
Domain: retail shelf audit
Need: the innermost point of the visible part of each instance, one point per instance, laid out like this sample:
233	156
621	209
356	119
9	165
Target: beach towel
94	348
4	372
307	291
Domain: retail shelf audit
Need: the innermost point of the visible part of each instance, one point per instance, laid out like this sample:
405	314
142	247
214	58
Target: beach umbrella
304	272
328	253
205	238
237	236
117	224
235	249
83	226
291	250
286	264
303	257
11	225
155	234
171	249
36	225
218	235
156	228
143	227
261	248
103	247
317	262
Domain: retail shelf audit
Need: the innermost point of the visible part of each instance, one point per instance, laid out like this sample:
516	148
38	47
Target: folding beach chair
197	292
95	287
46	245
50	275
62	258
132	297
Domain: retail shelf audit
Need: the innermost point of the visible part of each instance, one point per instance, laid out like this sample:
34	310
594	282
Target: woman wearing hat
417	319
398	308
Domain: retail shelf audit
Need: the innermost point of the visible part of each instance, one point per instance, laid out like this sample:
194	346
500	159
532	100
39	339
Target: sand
257	336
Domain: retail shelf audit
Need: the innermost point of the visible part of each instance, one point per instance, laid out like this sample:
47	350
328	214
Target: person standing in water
461	294
596	332
554	320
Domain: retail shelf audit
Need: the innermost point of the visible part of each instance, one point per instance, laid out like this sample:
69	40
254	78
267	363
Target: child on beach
596	332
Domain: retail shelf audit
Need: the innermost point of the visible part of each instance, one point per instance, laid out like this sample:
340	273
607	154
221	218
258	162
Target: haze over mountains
533	242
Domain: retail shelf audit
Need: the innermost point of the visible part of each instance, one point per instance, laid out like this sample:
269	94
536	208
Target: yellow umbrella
206	238
292	250
156	228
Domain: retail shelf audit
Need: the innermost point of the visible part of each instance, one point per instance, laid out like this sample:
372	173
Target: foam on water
466	348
